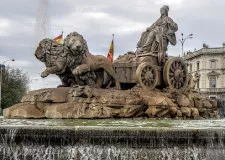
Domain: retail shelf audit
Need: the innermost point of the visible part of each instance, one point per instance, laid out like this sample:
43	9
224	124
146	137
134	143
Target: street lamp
1	84
182	40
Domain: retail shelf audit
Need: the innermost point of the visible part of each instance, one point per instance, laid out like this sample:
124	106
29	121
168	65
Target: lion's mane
75	59
50	50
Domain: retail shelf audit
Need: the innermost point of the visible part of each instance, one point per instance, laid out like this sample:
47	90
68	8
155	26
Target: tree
14	86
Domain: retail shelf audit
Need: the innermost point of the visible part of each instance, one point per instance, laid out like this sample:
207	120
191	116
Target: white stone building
207	66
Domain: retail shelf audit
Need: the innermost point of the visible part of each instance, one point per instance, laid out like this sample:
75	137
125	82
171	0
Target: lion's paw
77	71
44	74
81	69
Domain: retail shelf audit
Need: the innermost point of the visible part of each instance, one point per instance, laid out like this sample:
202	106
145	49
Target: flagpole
113	45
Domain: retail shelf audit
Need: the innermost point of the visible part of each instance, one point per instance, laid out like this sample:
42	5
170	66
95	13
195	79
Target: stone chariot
147	72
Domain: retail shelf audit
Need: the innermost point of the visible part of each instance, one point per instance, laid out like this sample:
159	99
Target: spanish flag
59	39
111	52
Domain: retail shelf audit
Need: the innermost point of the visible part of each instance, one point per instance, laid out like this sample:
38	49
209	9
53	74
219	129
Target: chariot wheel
147	75
175	74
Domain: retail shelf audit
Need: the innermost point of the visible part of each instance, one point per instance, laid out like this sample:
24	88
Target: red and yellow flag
59	39
111	52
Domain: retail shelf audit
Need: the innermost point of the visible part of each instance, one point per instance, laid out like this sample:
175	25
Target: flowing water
112	139
42	20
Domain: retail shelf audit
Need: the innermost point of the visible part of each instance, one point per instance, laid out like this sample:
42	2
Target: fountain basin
112	139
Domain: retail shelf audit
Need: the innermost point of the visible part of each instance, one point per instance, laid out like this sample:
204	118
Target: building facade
207	66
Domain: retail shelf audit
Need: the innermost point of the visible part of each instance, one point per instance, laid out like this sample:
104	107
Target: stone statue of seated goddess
156	37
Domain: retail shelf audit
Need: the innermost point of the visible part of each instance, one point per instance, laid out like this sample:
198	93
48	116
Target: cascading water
112	139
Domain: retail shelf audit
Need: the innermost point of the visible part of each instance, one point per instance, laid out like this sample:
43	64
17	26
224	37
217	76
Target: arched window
212	82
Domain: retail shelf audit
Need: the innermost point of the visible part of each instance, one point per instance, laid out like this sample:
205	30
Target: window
190	67
212	82
213	64
198	66
197	84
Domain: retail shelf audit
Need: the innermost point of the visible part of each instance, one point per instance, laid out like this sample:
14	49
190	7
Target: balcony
211	90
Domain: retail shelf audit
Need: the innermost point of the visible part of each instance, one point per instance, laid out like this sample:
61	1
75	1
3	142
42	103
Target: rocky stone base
86	102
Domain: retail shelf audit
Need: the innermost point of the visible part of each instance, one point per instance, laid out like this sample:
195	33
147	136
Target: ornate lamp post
182	40
1	84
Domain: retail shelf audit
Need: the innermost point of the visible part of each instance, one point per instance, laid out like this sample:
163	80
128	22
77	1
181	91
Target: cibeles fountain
142	106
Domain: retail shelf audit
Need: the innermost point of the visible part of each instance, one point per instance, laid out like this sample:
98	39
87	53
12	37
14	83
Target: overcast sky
24	22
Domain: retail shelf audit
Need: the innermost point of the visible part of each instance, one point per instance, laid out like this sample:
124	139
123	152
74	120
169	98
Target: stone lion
81	61
51	54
